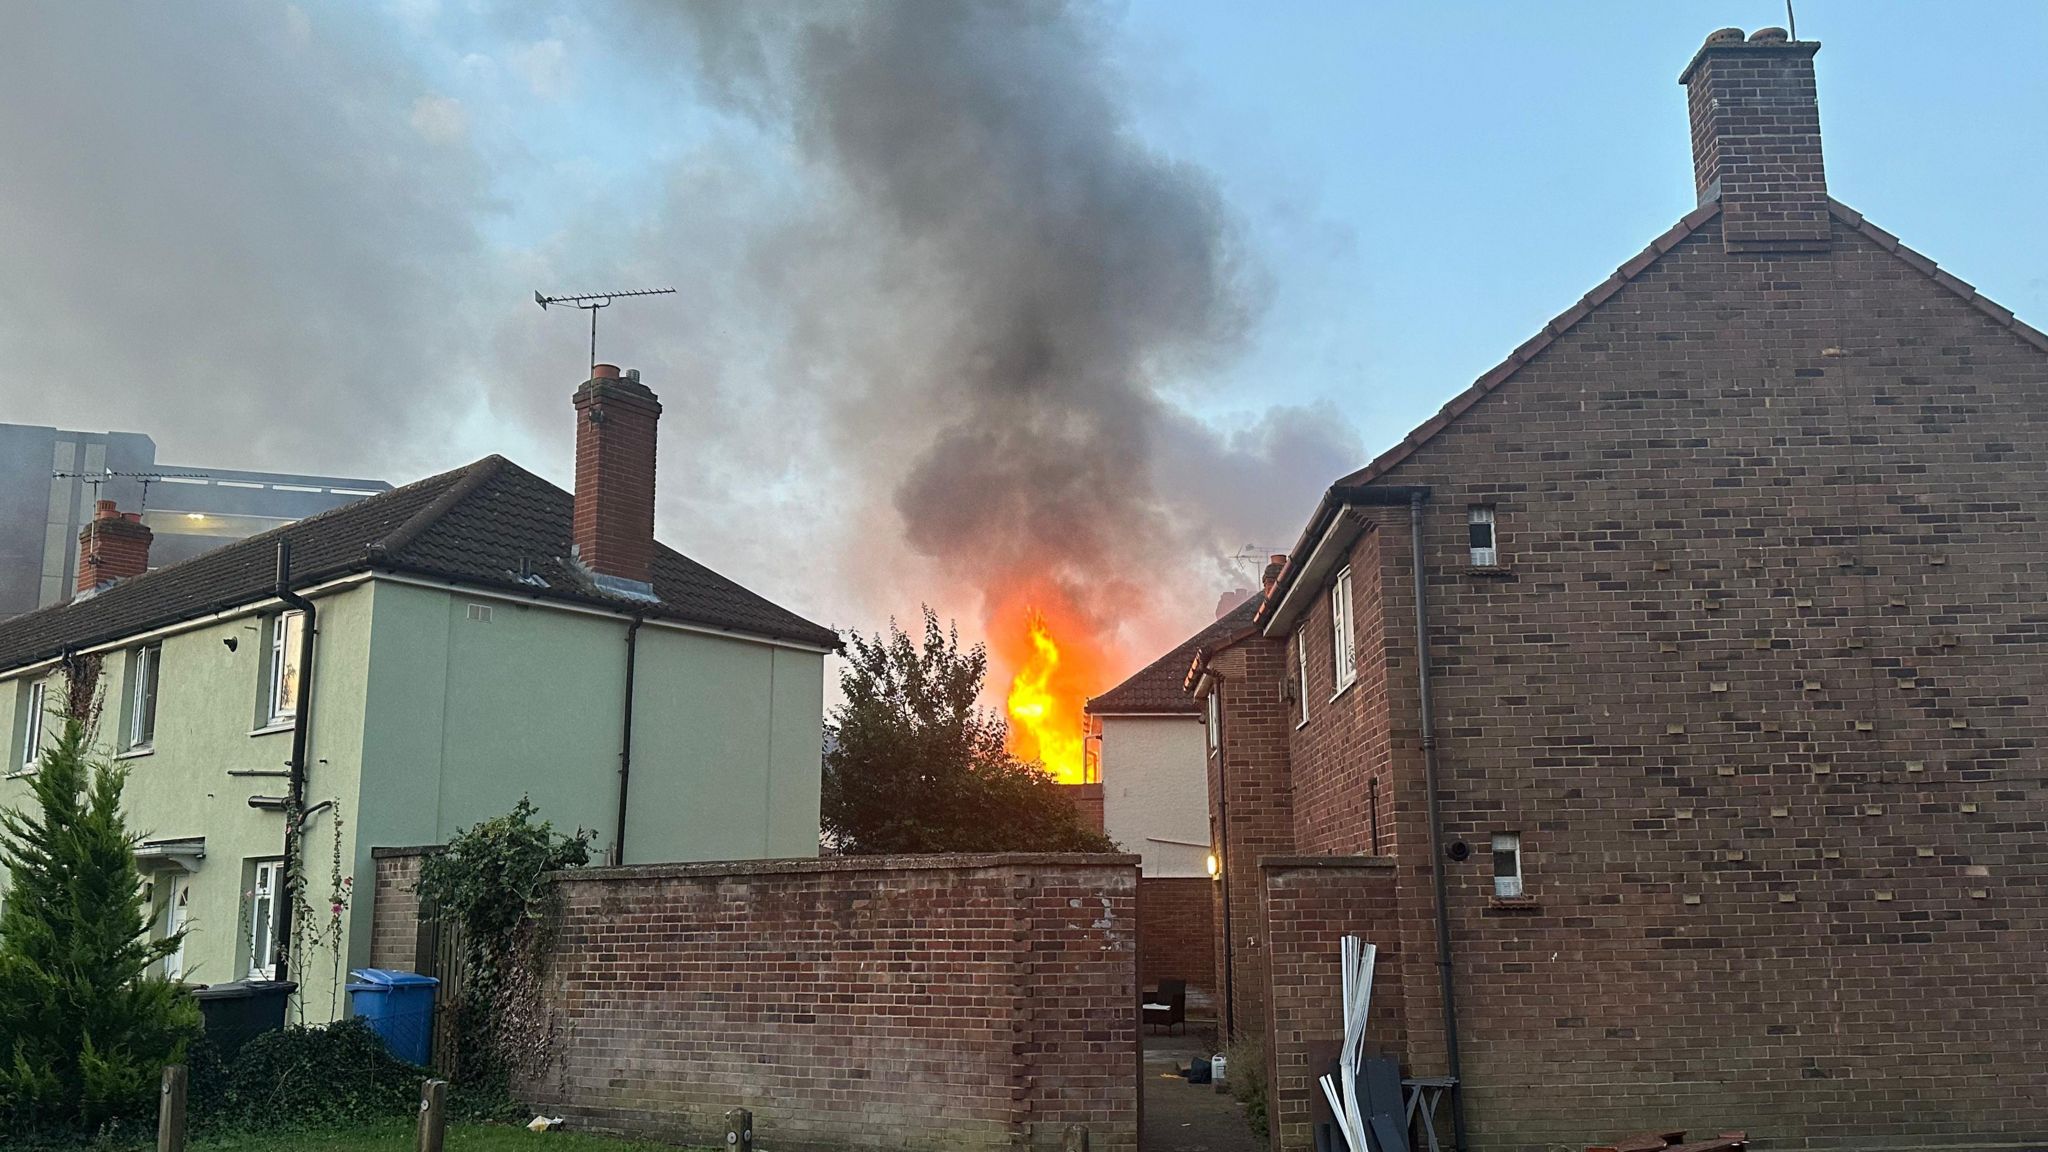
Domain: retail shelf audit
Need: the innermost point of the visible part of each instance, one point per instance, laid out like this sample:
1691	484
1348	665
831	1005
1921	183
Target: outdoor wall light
1215	866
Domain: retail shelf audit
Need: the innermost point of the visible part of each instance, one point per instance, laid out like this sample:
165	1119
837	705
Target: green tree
87	1020
914	764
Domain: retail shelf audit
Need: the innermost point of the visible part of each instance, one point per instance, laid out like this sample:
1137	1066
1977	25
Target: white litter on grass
544	1123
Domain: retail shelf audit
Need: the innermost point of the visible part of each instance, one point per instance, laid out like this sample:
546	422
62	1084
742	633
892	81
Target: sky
976	305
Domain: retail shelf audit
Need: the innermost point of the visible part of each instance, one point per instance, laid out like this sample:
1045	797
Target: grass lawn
398	1137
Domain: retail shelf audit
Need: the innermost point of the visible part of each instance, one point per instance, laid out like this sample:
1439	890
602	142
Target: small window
1301	672
1343	660
481	613
32	705
143	665
285	631
263	919
1213	721
1507	865
1479	525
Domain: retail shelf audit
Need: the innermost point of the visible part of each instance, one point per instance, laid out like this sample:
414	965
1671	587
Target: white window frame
262	909
34	700
145	668
1212	719
284	655
1301	672
1343	648
1508	885
1488	556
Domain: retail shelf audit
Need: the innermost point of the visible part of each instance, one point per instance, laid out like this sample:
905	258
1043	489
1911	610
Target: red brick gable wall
1762	697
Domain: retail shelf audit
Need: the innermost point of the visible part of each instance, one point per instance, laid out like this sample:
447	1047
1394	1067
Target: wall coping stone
936	862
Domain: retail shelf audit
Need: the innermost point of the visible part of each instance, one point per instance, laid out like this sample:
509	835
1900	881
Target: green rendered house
476	636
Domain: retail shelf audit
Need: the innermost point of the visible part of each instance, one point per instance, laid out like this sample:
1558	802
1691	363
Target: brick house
1713	796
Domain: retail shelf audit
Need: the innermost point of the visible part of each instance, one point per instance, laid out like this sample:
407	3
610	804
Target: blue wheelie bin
399	1007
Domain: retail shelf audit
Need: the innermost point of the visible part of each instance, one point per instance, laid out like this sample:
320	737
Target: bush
339	1074
1247	1078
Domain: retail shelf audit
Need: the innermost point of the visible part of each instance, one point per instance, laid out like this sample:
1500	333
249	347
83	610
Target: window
1214	721
263	919
284	666
1507	865
143	664
1479	526
32	726
1301	672
1343	660
177	897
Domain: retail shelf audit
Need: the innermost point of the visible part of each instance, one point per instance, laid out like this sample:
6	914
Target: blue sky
304	237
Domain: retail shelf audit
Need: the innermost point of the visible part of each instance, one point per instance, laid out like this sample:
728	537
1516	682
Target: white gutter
586	610
253	608
1326	557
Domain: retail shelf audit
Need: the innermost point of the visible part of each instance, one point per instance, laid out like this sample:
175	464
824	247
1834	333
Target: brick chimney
114	546
1756	139
1276	563
614	522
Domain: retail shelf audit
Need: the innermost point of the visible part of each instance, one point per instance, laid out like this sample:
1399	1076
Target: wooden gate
438	953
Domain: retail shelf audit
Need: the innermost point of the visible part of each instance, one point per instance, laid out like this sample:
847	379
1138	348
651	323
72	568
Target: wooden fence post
433	1114
170	1111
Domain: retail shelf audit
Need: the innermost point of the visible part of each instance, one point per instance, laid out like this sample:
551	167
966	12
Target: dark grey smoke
1014	278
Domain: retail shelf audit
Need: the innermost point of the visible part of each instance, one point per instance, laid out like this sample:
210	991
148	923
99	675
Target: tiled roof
1570	317
473	526
1159	686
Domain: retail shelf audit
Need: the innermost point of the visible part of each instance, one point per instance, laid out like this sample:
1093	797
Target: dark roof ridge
475	475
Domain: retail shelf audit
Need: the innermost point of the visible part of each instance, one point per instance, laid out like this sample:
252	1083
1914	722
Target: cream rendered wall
465	715
1155	791
207	701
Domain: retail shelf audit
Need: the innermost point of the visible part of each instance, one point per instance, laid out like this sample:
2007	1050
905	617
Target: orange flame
1046	695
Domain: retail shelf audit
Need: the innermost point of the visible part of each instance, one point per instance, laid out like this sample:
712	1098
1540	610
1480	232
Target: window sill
136	752
19	774
1490	572
1342	689
1509	905
272	728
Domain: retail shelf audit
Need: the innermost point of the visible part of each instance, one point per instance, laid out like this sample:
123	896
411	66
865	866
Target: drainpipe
302	724
1436	827
626	738
1223	861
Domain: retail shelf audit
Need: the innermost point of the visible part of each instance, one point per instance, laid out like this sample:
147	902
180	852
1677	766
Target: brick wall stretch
1177	933
954	1002
395	908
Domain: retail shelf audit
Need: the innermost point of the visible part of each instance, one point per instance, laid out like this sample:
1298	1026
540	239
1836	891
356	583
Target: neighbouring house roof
1343	490
1159	687
491	524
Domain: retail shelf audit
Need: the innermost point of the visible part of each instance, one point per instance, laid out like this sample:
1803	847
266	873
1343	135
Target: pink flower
337	909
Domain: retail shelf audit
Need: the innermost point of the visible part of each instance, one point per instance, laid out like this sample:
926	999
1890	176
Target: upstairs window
31	726
1343	660
1479	526
1507	865
143	665
1213	721
1301	672
285	631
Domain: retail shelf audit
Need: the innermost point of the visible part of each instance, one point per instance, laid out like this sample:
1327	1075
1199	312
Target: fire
1047	691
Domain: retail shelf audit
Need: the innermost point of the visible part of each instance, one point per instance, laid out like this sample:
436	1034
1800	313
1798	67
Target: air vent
481	613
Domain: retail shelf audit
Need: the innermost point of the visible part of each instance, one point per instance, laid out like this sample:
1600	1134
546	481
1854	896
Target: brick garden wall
1251	810
940	1002
1177	931
395	908
1311	904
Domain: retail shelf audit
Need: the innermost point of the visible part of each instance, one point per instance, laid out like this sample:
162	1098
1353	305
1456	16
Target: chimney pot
604	371
105	510
633	374
1756	143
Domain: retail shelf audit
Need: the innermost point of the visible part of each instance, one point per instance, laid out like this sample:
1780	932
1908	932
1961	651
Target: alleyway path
1184	1117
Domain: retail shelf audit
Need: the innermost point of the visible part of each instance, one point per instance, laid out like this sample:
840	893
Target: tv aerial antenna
592	301
108	475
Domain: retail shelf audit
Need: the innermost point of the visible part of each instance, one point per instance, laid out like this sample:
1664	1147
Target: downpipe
1446	985
302	724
